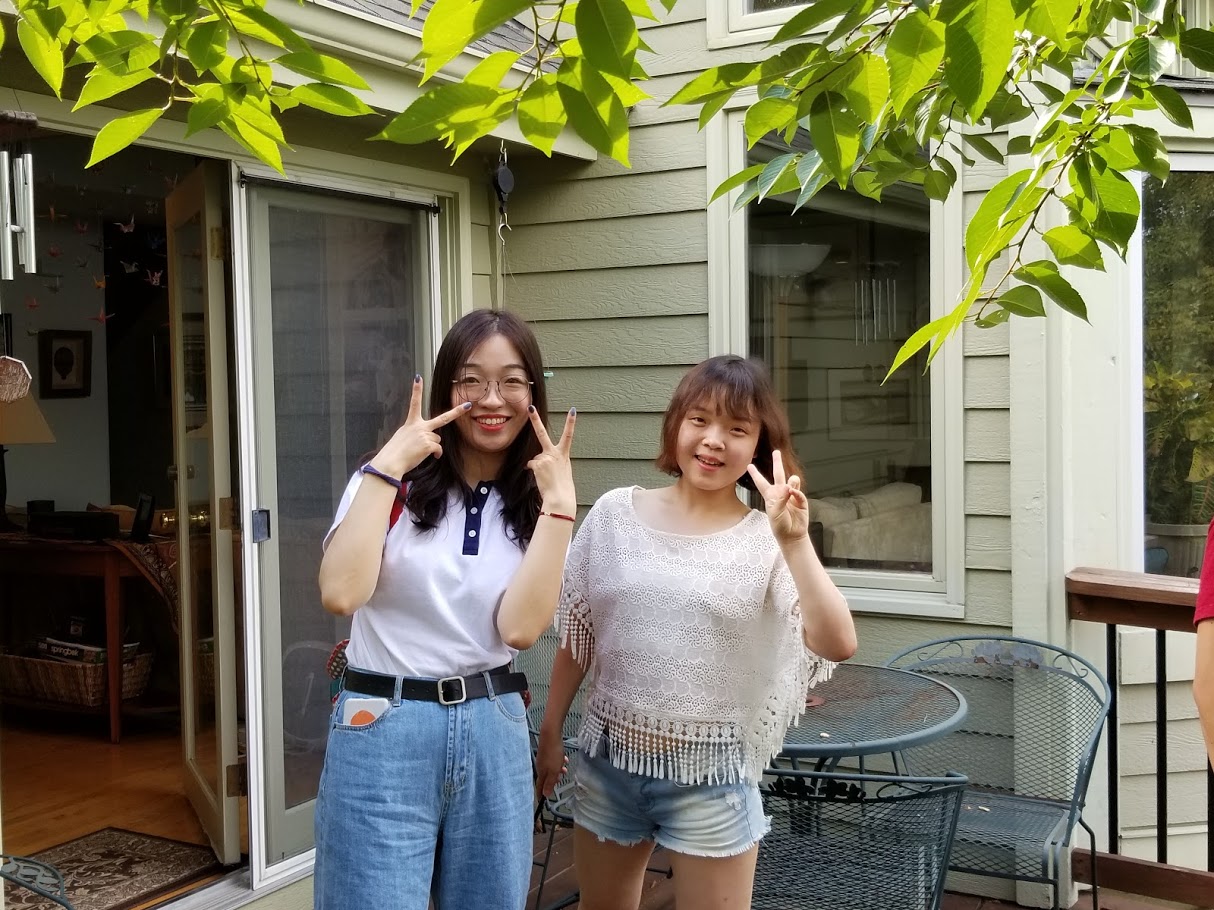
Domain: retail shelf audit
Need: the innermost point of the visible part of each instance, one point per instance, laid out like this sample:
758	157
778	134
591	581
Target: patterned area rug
114	869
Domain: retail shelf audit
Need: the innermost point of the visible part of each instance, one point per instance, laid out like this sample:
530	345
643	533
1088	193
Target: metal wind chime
876	302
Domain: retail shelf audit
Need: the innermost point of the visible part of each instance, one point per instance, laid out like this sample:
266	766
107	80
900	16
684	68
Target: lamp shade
21	422
776	260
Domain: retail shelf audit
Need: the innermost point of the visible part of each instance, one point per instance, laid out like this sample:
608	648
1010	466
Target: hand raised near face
417	439
552	467
787	507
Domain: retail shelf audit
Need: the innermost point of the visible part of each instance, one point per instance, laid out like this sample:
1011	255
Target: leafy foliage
888	91
1178	347
893	91
200	53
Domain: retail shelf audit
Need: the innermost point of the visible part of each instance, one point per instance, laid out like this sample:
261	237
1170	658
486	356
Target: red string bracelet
559	515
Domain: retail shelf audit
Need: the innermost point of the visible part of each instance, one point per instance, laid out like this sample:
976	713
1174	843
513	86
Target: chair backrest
1034	720
41	878
536	662
856	841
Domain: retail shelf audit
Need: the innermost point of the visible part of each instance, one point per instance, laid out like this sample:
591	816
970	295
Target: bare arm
826	621
349	570
1203	683
567	675
530	600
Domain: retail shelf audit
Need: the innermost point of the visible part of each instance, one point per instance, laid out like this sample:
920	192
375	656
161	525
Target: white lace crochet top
693	643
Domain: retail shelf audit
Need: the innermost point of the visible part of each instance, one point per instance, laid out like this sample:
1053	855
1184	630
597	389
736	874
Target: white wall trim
943	594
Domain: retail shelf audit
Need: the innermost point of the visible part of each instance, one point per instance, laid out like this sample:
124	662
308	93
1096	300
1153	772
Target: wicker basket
70	683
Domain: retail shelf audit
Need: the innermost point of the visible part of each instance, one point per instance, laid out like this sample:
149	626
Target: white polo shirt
434	609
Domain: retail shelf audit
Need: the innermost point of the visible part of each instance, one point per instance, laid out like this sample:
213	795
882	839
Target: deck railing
1165	604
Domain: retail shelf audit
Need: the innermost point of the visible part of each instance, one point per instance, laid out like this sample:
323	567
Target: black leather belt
451	690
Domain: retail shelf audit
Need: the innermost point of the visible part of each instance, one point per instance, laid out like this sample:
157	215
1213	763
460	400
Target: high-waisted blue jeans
427	800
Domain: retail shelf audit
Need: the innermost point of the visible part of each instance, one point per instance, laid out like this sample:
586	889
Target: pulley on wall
503	186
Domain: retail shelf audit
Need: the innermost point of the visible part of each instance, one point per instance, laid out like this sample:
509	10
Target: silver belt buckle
463	691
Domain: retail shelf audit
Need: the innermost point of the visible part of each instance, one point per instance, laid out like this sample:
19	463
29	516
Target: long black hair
431	482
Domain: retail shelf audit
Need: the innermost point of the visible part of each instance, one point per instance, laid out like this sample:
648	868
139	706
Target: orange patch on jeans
361	718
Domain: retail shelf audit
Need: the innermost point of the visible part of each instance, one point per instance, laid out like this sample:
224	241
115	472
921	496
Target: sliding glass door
343	297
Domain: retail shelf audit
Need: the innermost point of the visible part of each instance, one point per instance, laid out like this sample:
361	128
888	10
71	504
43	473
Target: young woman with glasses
704	623
427	783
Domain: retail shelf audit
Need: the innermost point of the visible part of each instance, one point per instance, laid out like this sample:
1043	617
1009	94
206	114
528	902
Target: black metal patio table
865	710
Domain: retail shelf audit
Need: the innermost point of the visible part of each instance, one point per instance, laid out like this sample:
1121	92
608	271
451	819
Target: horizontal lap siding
610	266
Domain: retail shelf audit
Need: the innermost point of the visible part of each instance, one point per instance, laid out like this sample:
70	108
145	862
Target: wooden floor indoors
63	781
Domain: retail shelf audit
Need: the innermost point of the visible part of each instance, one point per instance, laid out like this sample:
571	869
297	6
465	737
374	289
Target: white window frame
731	23
941	594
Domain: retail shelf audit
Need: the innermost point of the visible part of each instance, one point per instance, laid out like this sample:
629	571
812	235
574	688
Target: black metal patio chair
855	841
1027	746
39	877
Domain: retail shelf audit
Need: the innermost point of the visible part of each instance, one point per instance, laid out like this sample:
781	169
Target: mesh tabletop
867	710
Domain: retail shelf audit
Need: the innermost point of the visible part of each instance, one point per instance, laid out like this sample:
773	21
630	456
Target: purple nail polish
573	411
417	377
467	405
530	409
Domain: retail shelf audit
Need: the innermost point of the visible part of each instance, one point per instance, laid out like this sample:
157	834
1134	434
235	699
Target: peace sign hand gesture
552	468
416	439
787	507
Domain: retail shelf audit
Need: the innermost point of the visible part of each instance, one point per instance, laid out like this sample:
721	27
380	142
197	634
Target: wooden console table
21	554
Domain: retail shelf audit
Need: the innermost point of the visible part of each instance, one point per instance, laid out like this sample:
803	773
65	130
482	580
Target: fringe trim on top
576	634
695	752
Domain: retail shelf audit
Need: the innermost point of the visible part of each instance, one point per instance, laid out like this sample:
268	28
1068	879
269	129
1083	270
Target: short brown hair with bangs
740	387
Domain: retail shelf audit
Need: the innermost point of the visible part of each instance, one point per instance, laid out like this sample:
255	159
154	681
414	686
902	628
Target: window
1178	369
834	291
737	22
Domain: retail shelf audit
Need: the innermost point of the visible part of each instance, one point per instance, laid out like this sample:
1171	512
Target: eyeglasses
471	387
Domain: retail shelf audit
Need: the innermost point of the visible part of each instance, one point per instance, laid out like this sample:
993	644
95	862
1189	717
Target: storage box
70	682
58	649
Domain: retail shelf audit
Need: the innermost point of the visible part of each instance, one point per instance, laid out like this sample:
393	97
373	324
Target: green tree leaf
737	180
451	25
121	132
1197	46
983	147
434	113
867	91
835	131
206	113
608	34
1172	105
978	48
915	52
331	99
1044	274
44	54
207	44
1071	246
768	115
255	22
541	113
1022	300
593	109
102	84
322	68
811	17
991	212
937	185
1051	18
1148	57
257	142
778	176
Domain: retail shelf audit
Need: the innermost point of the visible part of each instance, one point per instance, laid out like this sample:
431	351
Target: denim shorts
713	820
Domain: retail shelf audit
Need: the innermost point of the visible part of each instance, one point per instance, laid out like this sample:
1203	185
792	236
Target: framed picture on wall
860	406
65	364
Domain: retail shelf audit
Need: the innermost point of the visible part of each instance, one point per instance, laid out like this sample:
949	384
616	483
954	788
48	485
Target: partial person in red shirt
1203	675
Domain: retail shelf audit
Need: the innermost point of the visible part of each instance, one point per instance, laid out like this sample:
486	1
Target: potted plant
1179	409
